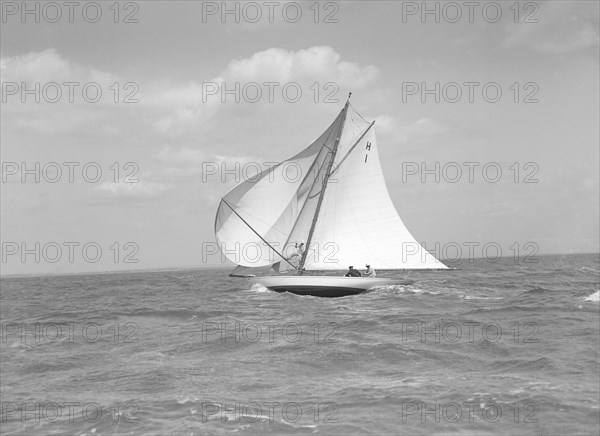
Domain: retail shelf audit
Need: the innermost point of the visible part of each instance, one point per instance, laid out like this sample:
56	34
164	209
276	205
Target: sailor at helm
352	272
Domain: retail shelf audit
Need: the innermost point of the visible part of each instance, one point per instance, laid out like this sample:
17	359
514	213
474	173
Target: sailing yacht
332	198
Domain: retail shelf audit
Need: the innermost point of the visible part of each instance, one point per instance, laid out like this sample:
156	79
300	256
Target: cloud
191	107
46	65
44	93
315	63
141	190
49	66
174	110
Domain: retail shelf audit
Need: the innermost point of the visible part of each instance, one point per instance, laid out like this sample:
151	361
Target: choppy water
493	348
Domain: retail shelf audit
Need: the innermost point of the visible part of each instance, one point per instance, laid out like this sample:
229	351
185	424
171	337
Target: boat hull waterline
321	286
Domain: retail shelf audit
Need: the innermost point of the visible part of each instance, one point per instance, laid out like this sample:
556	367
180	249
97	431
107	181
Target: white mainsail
341	207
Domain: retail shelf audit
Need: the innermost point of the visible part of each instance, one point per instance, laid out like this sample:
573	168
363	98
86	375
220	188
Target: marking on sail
335	170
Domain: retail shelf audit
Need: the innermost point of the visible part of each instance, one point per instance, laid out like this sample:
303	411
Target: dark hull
325	286
318	291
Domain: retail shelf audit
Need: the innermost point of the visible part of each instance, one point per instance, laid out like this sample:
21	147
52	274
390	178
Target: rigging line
257	234
335	170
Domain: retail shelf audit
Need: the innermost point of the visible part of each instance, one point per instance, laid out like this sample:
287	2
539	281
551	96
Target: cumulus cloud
49	66
174	110
194	102
44	65
314	63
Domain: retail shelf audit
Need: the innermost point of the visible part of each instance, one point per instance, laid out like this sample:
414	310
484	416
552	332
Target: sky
118	137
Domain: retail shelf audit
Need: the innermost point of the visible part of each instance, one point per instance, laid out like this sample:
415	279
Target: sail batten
340	208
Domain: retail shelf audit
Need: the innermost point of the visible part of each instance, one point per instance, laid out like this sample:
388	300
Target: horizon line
218	266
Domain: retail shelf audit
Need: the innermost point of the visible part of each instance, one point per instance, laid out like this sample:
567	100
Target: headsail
255	219
259	221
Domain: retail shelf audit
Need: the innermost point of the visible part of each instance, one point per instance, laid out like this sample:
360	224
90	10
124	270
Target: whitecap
259	288
593	297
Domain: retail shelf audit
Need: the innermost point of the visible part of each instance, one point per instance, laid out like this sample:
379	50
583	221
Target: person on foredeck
352	272
370	271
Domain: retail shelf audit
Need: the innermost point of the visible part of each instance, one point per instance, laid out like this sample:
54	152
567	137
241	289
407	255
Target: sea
488	348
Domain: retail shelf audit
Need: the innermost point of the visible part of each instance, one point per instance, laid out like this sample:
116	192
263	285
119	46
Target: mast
322	194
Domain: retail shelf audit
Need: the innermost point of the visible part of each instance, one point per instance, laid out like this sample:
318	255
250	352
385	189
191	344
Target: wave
536	290
594	297
543	363
182	314
488	310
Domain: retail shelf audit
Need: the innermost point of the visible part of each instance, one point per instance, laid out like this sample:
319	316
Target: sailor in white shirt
370	271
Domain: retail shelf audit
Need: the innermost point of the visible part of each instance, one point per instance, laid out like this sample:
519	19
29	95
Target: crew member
352	272
370	271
